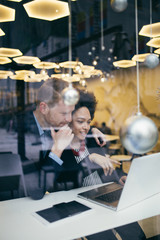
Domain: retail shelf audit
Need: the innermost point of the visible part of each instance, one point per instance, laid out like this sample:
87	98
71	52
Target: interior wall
117	97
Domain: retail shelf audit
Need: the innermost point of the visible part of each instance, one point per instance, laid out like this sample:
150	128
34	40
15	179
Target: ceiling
27	33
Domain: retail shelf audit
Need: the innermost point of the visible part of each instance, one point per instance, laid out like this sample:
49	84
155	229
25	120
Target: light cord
70	37
137	65
151	48
102	35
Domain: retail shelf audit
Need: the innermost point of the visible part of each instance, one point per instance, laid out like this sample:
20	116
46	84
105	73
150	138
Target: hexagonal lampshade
26	60
5	74
1	32
70	64
8	73
124	63
24	73
10	52
15	0
5	60
6	14
45	65
154	42
140	57
67	78
157	51
47	9
150	30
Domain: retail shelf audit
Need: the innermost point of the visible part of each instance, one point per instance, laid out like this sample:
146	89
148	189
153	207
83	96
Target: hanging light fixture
102	34
119	5
47	9
1	32
151	60
26	60
10	52
5	60
140	57
14	0
150	30
124	63
6	14
70	95
139	134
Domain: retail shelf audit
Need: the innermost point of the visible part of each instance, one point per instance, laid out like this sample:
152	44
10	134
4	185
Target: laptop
143	181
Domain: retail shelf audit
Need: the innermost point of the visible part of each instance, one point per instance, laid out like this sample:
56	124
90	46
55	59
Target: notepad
61	211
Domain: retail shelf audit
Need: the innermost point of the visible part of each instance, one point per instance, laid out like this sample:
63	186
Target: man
51	112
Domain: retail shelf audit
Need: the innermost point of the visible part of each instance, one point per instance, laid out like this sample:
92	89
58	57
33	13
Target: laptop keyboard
110	197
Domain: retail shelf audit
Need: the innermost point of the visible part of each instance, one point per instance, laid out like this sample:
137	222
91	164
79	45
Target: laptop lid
142	182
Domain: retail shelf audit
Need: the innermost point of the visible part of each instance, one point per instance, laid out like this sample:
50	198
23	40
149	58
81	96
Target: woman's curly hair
88	100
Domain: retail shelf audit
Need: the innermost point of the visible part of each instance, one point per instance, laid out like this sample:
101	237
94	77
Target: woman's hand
99	137
104	161
122	180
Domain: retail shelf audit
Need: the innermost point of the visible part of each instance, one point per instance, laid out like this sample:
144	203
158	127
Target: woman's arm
99	137
104	161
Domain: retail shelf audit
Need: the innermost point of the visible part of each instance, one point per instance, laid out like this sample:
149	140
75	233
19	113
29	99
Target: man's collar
41	132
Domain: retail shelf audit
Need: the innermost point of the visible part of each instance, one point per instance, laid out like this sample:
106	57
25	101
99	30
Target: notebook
60	211
142	182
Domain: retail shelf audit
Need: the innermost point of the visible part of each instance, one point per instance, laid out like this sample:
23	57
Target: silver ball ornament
139	134
151	61
119	5
70	96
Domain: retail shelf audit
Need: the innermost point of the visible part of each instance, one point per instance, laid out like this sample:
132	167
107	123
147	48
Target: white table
17	221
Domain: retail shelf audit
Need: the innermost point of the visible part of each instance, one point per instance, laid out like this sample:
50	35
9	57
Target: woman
84	154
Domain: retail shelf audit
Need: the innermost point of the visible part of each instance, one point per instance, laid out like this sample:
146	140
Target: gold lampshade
45	65
70	64
8	73
87	69
157	51
124	63
5	60
96	72
47	9
154	42
25	73
150	30
15	0
67	78
10	52
1	32
17	77
26	60
140	57
6	14
3	76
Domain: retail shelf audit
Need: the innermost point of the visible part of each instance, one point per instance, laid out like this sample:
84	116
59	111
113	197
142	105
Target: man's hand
99	137
62	139
104	161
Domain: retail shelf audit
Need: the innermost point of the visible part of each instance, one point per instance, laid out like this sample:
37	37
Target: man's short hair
50	91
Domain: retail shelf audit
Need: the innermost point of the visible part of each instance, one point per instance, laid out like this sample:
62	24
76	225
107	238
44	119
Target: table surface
111	137
121	157
17	221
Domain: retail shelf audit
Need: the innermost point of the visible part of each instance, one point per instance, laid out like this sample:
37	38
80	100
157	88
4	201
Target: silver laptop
143	181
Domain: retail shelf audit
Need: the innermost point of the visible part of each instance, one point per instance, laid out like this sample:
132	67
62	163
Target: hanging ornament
119	5
139	134
151	61
70	95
